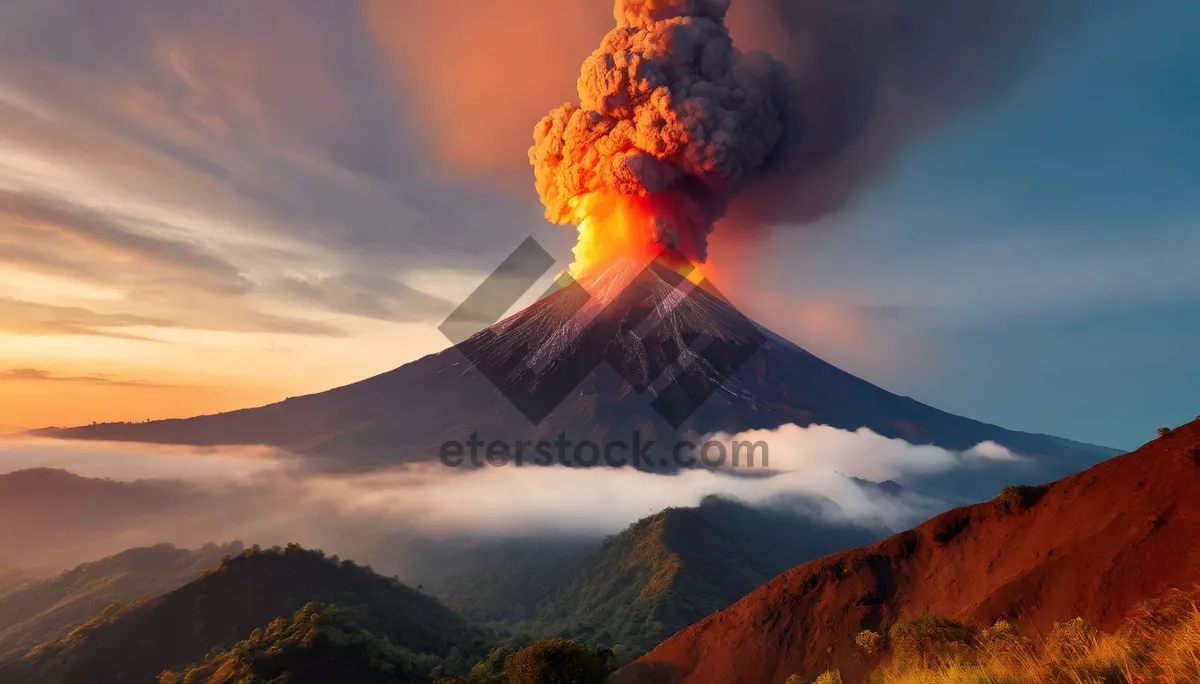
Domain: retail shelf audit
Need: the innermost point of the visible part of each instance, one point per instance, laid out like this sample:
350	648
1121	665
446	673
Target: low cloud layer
133	462
266	496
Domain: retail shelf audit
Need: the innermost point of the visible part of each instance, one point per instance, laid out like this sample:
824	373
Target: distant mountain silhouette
57	519
135	642
47	609
659	575
1092	545
550	350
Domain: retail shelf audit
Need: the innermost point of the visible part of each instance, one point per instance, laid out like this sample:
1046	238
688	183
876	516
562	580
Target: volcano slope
1092	545
607	365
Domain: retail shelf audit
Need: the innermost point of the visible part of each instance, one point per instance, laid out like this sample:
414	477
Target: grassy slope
1160	642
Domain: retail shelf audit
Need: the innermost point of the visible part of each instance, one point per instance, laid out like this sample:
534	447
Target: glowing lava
615	227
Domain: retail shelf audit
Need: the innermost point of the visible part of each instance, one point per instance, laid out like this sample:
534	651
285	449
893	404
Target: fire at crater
672	123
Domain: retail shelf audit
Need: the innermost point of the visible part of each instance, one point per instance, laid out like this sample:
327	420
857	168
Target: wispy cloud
233	169
195	311
30	318
36	375
71	239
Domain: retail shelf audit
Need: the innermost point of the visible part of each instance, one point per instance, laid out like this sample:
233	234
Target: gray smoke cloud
873	77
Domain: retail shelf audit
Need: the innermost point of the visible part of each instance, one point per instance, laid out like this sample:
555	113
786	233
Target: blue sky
1061	231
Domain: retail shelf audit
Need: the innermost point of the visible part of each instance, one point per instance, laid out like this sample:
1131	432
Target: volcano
633	350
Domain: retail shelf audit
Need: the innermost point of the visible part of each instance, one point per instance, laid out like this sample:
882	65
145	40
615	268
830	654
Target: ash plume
873	77
869	80
668	108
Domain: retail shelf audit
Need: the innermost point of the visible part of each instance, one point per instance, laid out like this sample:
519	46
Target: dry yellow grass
1159	645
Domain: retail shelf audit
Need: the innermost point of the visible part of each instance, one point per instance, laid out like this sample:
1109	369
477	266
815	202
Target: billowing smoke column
672	123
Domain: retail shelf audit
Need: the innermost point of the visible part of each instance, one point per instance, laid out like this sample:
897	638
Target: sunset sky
212	205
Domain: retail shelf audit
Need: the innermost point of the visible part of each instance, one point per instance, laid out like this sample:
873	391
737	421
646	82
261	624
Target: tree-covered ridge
316	645
47	609
225	605
322	644
683	564
662	573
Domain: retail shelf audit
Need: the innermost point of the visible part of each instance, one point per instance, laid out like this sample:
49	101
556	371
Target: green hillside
224	606
656	577
319	644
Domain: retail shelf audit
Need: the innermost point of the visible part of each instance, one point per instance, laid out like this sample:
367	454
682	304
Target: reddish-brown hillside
1093	544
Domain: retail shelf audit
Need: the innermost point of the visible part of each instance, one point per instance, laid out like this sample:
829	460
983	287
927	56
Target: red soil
1094	545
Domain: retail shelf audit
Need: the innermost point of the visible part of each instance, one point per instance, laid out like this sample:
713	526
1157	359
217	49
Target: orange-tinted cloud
481	75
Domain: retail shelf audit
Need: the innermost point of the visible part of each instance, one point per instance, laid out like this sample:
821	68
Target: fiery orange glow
612	228
615	227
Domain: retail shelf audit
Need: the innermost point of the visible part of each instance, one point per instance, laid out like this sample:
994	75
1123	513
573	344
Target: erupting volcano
672	123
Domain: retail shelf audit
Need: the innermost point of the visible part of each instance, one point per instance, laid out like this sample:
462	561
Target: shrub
1070	640
1001	630
1022	496
491	670
558	661
1164	431
829	677
1001	639
928	638
950	525
868	641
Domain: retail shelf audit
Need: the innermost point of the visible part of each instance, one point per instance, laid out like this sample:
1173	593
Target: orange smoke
672	123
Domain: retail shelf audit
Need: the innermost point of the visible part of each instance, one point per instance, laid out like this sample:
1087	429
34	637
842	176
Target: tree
558	661
926	638
491	670
868	641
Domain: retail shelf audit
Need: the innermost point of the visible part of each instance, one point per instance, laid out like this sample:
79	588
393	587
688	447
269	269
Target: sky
208	206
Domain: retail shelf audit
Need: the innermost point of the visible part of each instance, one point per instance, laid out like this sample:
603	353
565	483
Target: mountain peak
629	351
